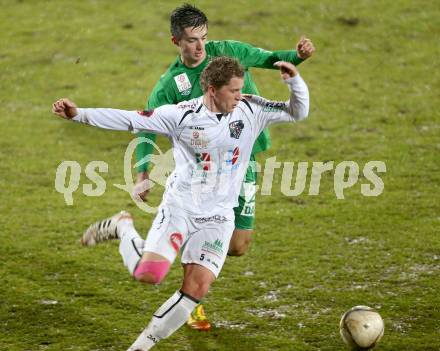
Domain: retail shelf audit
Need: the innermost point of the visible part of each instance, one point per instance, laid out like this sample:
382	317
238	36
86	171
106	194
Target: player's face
228	96
192	45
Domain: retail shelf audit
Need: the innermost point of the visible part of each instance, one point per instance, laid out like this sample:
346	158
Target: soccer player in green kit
189	30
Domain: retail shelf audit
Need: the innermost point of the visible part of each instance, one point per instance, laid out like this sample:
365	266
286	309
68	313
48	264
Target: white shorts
203	240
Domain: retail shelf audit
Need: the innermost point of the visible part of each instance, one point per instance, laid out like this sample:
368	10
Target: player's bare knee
151	272
197	281
197	290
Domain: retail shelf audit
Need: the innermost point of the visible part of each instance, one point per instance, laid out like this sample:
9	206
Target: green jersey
180	83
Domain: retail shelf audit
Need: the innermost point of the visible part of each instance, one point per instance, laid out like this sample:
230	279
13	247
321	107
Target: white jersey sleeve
162	120
295	109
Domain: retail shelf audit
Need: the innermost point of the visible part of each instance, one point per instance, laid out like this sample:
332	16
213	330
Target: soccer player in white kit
212	138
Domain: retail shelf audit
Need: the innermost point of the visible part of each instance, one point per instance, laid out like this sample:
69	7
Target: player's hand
287	69
64	108
305	48
141	188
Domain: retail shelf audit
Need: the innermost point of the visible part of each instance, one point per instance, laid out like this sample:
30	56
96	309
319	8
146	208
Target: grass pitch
374	84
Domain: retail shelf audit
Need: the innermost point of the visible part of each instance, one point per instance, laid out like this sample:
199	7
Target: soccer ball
361	328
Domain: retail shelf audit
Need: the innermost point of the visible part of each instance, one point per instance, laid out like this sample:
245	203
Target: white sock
166	320
131	244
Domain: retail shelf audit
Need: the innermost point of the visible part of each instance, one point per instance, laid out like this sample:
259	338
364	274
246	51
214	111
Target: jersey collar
216	116
199	67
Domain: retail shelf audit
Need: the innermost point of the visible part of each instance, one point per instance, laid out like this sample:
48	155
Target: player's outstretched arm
250	56
161	120
295	109
298	105
101	118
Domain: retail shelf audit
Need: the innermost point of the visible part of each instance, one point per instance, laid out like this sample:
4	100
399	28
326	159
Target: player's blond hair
219	72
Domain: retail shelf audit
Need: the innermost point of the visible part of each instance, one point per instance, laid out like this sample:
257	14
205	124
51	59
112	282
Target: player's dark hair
219	72
186	16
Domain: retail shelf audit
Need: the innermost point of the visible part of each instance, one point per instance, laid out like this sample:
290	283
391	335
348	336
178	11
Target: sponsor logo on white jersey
231	160
183	84
187	105
215	247
273	106
199	139
203	161
214	218
232	156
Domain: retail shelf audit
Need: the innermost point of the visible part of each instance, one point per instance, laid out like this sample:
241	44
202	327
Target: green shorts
245	211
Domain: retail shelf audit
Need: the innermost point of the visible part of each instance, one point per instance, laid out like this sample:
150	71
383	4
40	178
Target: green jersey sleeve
158	97
250	56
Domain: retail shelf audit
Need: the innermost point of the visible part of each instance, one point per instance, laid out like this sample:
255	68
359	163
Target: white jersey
211	150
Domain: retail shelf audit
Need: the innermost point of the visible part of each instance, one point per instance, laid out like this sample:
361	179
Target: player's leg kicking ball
197	278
